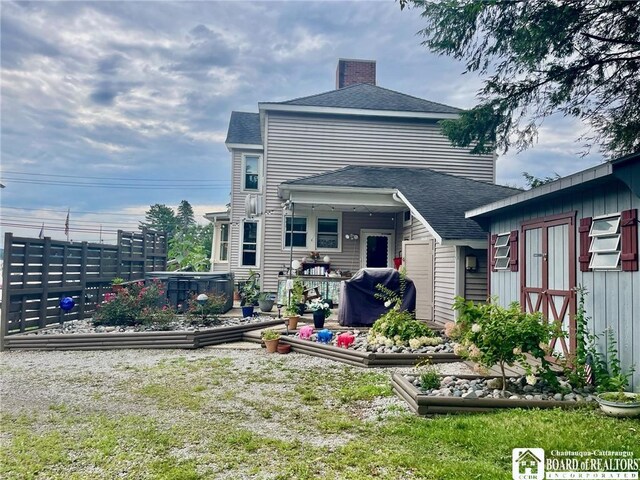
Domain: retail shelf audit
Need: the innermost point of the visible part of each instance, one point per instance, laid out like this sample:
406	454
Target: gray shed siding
613	298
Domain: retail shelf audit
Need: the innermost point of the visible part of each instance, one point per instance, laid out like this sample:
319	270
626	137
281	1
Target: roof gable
244	128
440	198
371	97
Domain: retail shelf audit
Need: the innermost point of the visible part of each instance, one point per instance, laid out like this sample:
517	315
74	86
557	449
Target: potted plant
271	339
619	404
293	313
249	294
265	301
117	284
321	311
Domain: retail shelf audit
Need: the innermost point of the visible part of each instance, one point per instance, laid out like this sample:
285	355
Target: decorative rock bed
82	335
361	344
458	395
359	354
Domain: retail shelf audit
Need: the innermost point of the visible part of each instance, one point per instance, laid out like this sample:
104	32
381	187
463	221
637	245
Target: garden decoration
66	305
345	339
325	336
306	332
321	311
202	301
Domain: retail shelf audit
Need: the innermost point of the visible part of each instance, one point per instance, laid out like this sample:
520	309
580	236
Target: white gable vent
253	205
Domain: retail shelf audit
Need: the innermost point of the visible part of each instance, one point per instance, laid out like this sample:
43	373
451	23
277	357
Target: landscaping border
108	341
358	358
422	404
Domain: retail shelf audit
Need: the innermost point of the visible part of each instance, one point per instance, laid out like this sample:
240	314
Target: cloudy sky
109	107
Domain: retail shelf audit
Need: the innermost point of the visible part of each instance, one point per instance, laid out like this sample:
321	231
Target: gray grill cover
358	306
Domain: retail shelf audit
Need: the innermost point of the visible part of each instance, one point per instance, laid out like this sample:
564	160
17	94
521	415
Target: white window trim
258	244
312	231
595	254
284	233
219	242
243	175
507	256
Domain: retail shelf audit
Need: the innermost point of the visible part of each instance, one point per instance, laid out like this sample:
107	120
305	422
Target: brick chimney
350	72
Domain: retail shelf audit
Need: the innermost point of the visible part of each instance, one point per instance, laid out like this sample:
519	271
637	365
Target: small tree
184	218
492	335
161	218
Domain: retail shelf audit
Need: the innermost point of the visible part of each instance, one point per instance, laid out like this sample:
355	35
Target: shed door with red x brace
548	274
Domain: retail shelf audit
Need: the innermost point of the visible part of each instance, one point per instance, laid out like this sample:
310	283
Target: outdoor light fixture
471	263
295	265
352	236
202	301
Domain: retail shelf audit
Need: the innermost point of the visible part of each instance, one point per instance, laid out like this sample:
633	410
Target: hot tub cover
358	305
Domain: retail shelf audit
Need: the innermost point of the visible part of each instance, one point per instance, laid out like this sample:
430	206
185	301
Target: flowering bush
319	305
136	304
399	328
492	335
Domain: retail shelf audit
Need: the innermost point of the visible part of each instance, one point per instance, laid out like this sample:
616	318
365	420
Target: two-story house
362	175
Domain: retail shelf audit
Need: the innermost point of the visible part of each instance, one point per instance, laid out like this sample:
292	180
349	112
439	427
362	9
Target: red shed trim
629	231
492	249
513	251
585	243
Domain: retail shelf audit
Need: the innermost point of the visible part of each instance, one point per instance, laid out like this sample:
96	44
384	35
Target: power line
62	219
37	226
113	185
64	211
172	180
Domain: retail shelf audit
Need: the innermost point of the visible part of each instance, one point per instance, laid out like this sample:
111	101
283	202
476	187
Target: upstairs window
295	231
251	172
502	251
605	243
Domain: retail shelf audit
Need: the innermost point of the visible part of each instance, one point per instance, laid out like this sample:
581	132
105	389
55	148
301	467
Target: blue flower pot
247	311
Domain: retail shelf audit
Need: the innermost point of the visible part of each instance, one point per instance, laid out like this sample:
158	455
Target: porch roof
437	199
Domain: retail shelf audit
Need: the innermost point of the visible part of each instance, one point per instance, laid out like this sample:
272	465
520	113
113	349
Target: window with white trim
251	172
249	254
605	243
223	243
295	228
406	218
327	233
502	251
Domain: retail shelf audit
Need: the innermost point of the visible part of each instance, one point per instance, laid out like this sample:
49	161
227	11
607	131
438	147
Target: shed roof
440	198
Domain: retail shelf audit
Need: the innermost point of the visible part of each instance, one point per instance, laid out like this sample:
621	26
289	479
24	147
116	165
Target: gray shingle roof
244	128
371	97
440	198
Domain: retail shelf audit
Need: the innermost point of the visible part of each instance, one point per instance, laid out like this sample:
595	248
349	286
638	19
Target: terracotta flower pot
271	345
293	322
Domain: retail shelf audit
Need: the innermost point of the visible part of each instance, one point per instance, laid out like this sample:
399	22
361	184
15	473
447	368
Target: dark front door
548	275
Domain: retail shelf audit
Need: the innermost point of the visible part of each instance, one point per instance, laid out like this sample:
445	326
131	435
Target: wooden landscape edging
355	357
108	341
422	404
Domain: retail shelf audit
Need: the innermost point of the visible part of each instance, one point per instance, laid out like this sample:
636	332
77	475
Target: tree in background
580	58
161	218
190	249
185	215
533	181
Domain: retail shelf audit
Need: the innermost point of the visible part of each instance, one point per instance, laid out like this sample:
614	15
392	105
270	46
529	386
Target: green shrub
399	328
206	314
430	379
492	335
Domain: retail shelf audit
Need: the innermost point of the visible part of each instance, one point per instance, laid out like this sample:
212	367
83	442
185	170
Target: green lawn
273	417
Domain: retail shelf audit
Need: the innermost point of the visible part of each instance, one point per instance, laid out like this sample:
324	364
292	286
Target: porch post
293	214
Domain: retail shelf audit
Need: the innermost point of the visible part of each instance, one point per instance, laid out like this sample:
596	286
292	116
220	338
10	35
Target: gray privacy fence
37	273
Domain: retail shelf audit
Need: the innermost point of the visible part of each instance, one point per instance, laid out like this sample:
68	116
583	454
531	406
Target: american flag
588	369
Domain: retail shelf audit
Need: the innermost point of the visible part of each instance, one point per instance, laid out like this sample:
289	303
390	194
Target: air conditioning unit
253	205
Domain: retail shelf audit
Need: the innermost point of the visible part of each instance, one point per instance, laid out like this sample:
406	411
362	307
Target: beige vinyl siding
444	282
475	283
237	215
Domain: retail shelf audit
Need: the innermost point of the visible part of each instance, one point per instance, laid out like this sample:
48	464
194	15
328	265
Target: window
223	243
250	244
327	233
296	229
502	250
251	171
406	218
605	243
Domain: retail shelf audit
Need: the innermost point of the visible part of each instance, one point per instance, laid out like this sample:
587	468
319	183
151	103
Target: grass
207	419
